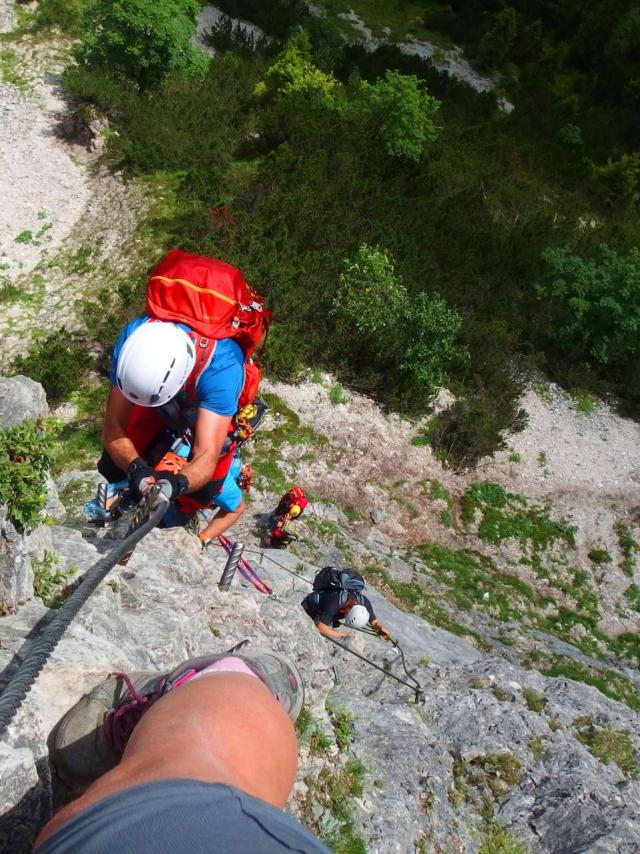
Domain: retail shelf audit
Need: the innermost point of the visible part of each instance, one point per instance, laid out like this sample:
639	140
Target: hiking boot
80	748
91	738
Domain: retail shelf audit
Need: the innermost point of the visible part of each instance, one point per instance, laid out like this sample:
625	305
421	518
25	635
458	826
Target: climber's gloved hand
141	477
178	484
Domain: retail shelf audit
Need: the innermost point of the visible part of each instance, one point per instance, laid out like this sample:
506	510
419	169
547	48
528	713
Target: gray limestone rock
16	574
21	398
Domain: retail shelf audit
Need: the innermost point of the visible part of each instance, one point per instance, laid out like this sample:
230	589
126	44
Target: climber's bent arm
328	632
377	625
114	430
211	432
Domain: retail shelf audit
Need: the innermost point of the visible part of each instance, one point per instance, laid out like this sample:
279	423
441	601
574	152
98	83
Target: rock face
16	574
429	773
21	398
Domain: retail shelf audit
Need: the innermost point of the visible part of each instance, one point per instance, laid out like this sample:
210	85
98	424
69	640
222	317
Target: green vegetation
27	453
475	582
59	362
496	839
608	682
337	394
629	548
585	401
534	700
608	745
143	40
504	515
599	556
319	149
537	744
597	303
413	597
632	593
342	722
10	68
499	772
50	583
333	788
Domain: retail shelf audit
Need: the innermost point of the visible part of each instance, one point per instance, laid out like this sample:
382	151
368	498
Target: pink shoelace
119	723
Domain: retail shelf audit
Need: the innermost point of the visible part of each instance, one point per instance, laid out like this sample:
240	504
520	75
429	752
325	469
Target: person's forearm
118	445
200	469
377	625
328	632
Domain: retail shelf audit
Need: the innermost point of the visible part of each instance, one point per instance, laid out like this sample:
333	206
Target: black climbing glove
138	472
178	483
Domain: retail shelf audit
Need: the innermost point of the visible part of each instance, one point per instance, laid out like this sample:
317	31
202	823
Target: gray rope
41	648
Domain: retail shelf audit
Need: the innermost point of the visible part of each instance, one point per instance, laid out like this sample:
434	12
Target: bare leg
221	521
223	728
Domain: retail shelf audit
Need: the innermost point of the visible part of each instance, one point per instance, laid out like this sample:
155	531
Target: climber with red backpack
183	369
281	529
338	597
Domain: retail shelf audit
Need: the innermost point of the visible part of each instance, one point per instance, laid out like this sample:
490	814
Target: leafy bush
58	361
26	455
596	304
143	40
49	581
401	114
415	339
293	71
370	298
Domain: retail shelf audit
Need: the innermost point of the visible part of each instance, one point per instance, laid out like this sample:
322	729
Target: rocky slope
496	756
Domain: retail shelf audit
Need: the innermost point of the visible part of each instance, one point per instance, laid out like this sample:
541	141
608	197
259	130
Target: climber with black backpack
338	597
184	369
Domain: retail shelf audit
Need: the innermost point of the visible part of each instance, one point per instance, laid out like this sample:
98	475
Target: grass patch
50	582
337	394
10	68
534	700
632	594
608	682
628	546
412	597
496	839
501	515
79	441
585	401
474	581
599	556
608	745
333	789
498	772
537	744
342	722
58	361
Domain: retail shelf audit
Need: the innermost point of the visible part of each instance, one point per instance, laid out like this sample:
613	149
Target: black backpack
333	579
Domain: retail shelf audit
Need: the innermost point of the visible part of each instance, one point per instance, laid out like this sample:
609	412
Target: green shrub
143	40
294	72
58	361
276	17
49	581
401	113
26	455
596	303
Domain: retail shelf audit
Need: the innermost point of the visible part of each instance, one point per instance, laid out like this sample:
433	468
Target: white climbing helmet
357	617
154	363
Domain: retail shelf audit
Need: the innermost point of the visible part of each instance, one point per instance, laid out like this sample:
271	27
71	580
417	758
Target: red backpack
215	301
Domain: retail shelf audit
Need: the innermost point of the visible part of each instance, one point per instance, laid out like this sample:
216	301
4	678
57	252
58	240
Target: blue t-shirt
219	385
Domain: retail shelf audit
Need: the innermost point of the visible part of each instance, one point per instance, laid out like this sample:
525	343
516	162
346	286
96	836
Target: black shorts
175	816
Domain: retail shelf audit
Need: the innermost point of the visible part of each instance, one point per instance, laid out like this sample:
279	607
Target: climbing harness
417	689
155	503
245	568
